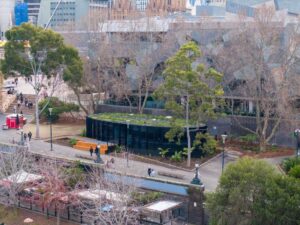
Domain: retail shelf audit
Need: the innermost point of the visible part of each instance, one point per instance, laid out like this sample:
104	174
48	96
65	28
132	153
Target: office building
6	16
141	5
21	13
33	10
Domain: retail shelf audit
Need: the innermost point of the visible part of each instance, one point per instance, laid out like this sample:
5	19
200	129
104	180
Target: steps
23	108
85	146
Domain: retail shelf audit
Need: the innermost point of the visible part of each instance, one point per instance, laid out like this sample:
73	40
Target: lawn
139	119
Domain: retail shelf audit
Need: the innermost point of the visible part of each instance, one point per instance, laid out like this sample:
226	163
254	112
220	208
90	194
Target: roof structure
22	177
161	206
94	194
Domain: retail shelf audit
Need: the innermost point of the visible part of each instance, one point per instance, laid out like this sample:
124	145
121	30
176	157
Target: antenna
49	21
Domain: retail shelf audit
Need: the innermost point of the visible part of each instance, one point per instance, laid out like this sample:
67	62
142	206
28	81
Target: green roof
138	119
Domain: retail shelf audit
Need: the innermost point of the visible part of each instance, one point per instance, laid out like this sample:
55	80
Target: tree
190	92
58	106
109	199
252	192
259	60
31	50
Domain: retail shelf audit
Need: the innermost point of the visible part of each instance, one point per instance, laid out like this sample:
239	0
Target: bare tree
259	61
14	173
109	201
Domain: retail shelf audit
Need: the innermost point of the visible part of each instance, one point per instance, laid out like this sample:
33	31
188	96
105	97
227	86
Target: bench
169	174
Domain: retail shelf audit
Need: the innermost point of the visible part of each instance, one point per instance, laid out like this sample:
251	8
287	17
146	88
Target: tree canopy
190	91
251	192
30	49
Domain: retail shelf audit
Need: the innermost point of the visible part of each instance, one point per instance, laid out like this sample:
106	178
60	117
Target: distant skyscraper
33	10
6	15
21	13
141	4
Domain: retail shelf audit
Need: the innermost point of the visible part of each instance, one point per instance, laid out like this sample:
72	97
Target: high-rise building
6	16
71	13
141	5
33	10
21	13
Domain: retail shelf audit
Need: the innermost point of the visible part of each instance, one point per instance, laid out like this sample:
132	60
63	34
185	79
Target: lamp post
215	132
224	136
22	137
50	119
297	136
127	160
196	180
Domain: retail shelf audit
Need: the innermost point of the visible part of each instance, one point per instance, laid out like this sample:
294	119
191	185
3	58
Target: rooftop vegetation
139	119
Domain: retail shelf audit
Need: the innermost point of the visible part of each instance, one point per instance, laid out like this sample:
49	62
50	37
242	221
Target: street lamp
224	136
215	132
196	180
127	160
22	137
50	119
297	136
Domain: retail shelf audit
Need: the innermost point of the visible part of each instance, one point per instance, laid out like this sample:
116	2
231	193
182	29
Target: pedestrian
152	174
97	150
21	99
16	81
29	135
17	122
91	150
25	136
149	171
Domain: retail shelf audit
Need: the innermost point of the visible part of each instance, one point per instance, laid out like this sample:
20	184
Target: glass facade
144	140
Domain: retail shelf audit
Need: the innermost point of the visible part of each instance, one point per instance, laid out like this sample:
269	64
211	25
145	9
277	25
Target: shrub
177	157
289	163
74	174
58	106
145	198
118	149
206	143
163	152
248	138
73	141
295	171
83	132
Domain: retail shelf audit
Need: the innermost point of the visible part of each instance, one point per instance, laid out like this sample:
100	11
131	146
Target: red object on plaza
11	121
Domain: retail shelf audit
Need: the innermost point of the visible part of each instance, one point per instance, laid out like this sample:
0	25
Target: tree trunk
262	144
37	118
188	131
58	218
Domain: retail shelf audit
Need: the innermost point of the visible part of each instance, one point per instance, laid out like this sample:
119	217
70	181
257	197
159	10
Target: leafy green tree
251	192
32	50
58	106
206	143
190	91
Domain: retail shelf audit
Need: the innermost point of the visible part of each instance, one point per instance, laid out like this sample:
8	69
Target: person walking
91	151
17	122
29	135
25	137
97	150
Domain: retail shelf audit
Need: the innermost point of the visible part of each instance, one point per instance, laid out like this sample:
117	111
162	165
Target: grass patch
139	119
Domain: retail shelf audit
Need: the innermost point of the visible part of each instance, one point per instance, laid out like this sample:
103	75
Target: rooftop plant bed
139	119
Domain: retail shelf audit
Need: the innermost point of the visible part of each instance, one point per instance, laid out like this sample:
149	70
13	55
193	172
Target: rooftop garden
139	119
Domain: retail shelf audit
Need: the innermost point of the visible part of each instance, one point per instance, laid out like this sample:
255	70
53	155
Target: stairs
23	108
85	146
